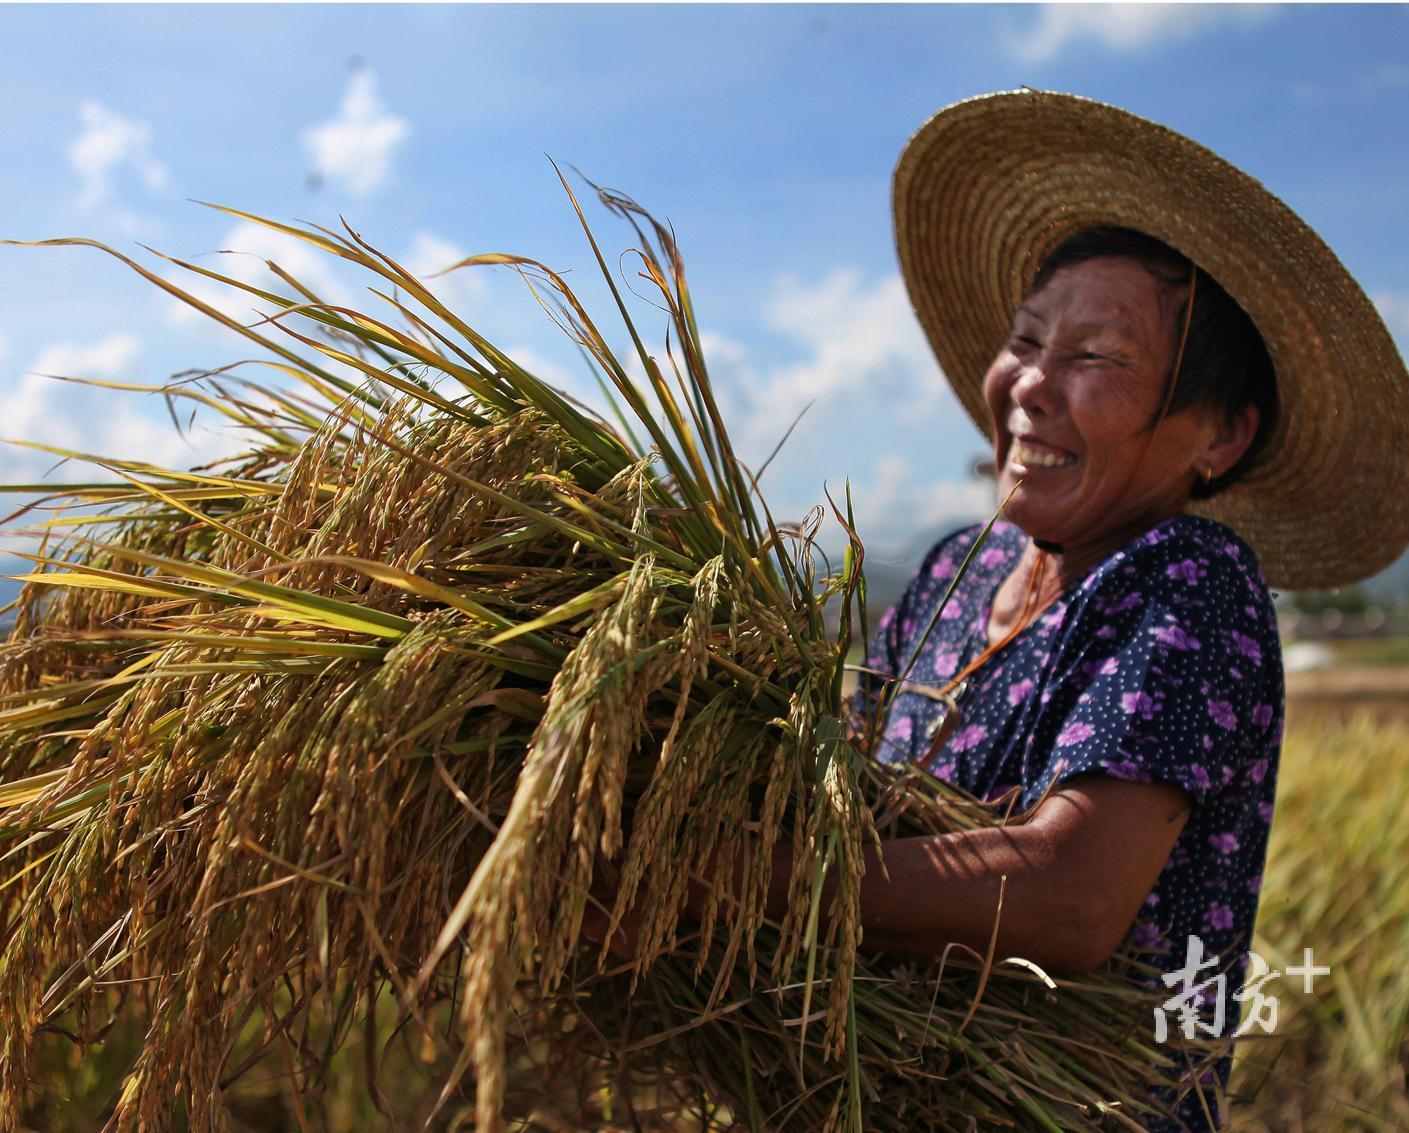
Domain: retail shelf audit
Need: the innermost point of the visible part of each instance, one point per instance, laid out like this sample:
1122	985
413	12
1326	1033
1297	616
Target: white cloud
106	359
356	148
460	290
861	344
1123	28
879	397
86	419
109	143
1394	309
575	382
897	502
245	254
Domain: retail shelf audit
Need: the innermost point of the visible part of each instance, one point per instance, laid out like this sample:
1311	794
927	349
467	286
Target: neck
1069	563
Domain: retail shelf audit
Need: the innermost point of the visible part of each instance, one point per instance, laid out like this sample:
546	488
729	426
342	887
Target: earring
1208	476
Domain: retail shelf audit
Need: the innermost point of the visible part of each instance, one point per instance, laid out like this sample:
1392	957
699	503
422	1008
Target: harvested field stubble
325	747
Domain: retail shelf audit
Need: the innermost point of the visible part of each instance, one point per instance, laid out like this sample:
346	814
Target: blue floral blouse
1163	664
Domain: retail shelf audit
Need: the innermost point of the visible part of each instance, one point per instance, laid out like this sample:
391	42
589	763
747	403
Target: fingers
595	924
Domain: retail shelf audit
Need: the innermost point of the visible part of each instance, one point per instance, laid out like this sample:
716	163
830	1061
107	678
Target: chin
1027	514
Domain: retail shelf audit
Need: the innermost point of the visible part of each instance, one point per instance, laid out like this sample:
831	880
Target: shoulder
1189	560
1189	587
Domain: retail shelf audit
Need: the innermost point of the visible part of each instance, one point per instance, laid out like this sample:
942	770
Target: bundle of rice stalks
363	715
1338	883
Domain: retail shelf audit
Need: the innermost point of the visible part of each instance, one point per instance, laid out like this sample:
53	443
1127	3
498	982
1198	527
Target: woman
1119	658
1180	380
1110	656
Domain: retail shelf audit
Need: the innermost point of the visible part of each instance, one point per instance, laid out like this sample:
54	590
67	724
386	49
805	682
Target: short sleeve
1169	674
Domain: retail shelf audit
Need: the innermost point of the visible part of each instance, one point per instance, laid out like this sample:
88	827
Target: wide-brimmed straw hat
988	187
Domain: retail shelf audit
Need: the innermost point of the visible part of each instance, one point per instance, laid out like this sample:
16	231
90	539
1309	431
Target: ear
1228	440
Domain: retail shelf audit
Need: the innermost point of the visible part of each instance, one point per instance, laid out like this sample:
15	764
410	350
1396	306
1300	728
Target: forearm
946	889
1073	878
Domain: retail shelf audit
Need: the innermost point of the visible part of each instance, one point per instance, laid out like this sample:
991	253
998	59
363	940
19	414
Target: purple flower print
1198	775
1147	936
945	662
945	771
1262	716
901	730
1258	771
1074	733
1129	602
1226	843
1187	571
1248	647
1102	668
1255	884
1129	770
1019	691
1138	704
1174	636
968	737
1223	714
1106	632
944	568
992	557
952	611
1264	811
1219	916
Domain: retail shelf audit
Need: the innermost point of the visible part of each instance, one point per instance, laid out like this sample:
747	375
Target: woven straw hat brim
988	187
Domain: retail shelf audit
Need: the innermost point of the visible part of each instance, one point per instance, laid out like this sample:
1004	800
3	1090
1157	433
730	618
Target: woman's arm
1077	873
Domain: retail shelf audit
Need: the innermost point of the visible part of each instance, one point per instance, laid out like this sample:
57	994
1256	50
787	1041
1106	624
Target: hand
597	918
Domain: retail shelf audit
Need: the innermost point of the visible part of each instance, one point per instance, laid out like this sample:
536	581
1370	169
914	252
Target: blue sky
766	134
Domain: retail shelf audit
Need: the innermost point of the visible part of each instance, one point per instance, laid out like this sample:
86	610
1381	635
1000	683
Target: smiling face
1072	395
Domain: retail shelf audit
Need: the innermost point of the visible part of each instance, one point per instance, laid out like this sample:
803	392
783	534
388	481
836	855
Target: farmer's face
1072	395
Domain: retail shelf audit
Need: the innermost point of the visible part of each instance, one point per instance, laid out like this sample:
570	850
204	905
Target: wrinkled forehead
1115	294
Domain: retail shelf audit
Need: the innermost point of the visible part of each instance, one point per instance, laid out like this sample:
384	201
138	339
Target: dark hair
1225	366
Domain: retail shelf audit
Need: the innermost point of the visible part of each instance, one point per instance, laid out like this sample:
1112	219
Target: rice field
1337	882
